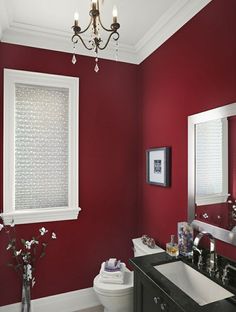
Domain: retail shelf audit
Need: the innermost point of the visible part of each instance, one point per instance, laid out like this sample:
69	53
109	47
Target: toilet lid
118	289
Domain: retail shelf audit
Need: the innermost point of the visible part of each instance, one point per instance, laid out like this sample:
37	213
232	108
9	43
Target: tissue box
185	238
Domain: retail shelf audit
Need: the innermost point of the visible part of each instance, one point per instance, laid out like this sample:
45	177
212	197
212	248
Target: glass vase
26	297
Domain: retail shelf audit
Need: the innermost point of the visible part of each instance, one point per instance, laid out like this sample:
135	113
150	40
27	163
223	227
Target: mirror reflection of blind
41	147
209	157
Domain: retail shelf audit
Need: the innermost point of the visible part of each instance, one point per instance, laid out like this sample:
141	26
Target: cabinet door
150	298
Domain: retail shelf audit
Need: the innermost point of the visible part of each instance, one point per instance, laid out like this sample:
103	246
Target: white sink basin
197	286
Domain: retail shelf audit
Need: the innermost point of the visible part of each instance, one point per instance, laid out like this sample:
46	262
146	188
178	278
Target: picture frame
158	166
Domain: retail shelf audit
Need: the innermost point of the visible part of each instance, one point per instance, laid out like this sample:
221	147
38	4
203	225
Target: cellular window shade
41	147
209	157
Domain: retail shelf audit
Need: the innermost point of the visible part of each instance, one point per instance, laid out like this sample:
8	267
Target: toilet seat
114	289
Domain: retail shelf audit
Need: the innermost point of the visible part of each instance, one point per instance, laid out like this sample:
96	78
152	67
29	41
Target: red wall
108	174
193	71
125	109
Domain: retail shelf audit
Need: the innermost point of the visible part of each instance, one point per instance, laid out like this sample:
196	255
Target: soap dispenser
172	248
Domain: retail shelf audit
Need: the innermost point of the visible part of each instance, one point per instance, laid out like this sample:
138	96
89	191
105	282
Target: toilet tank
141	250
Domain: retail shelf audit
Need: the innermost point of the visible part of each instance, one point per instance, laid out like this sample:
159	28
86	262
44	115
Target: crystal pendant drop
74	60
96	68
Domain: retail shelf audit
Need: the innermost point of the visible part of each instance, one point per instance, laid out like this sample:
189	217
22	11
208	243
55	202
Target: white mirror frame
216	113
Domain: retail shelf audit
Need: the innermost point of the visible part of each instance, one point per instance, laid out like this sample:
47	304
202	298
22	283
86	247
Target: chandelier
95	43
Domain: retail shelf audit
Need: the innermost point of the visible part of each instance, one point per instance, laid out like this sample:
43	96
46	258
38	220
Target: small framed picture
158	166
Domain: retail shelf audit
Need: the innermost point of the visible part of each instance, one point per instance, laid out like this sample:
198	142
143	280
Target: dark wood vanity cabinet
153	292
148	297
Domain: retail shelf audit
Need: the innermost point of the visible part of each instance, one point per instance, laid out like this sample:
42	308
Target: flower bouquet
25	254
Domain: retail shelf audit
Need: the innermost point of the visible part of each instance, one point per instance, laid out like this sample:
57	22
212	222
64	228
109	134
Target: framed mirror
212	172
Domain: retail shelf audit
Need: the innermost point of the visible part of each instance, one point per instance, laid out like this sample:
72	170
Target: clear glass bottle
172	248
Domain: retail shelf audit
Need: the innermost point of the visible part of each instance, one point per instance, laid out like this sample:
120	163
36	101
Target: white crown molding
171	21
66	302
4	17
44	38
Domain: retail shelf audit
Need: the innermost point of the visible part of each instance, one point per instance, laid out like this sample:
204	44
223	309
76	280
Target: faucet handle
197	249
200	262
225	277
213	272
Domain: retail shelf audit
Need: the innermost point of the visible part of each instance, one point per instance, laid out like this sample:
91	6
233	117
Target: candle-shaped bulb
114	14
76	18
94	4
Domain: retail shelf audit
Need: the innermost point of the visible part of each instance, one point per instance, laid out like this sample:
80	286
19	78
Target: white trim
66	302
41	215
215	113
44	38
11	77
4	17
170	22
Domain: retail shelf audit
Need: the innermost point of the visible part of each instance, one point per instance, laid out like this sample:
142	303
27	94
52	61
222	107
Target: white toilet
119	297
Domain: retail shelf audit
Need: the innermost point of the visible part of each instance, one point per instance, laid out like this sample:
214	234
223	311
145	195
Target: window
212	161
40	147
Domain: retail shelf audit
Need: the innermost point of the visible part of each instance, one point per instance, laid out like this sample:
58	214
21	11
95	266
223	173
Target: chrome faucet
212	267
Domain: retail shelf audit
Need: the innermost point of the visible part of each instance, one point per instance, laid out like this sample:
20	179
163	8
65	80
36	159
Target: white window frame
11	78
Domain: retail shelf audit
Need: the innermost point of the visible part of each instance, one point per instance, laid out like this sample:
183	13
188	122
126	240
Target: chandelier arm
83	31
110	30
76	41
73	39
108	40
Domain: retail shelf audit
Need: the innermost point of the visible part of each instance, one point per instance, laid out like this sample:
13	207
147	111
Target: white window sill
41	215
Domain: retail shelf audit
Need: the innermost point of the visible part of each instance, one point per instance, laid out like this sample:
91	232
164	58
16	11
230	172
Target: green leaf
11	241
18	266
22	241
42	254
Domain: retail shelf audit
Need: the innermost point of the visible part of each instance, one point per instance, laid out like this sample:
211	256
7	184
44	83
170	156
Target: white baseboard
66	302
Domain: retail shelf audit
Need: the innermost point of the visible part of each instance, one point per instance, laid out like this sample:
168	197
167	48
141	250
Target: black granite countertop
145	265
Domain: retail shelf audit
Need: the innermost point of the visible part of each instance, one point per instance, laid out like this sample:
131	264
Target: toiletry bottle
172	248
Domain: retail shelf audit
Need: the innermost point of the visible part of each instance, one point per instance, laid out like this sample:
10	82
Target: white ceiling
145	25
